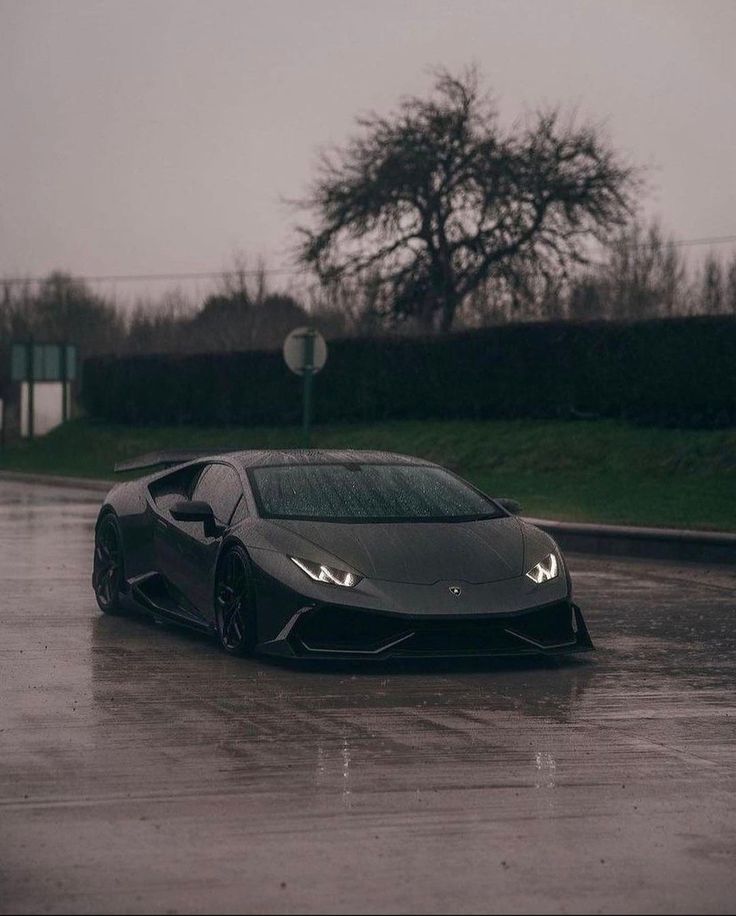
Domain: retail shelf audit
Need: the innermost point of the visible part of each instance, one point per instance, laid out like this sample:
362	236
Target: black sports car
348	554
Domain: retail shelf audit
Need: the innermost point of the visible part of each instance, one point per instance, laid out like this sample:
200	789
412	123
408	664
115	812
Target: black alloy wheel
108	573
234	606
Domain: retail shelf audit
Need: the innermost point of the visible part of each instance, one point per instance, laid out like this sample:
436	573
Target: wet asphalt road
143	771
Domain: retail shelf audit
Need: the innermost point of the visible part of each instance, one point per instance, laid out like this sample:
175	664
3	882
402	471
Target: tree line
434	218
641	274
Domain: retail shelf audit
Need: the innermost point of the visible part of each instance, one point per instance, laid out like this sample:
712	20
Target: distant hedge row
666	372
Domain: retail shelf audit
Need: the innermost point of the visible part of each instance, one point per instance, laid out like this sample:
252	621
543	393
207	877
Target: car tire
108	574
235	612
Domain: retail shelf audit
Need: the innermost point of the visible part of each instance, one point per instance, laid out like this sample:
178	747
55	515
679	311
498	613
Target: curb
55	480
676	544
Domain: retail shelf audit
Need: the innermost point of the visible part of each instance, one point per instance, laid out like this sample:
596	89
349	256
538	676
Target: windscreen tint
366	492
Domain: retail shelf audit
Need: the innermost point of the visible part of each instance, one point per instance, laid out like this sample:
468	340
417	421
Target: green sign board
32	362
18	362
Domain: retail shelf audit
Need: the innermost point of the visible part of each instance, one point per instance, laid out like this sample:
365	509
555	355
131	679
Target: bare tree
438	196
711	286
642	275
730	292
61	308
160	326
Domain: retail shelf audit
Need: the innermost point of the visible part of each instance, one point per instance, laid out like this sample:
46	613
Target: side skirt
151	591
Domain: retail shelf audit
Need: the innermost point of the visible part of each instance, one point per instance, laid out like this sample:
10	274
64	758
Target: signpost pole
308	378
30	376
64	372
305	353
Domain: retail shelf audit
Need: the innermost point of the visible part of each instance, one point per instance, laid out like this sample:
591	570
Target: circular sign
305	350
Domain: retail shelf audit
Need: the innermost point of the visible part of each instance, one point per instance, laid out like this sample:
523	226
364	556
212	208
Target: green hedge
679	372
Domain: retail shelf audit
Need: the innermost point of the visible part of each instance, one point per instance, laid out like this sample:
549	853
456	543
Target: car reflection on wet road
142	770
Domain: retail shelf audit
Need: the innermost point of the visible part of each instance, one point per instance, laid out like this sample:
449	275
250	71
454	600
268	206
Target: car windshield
367	493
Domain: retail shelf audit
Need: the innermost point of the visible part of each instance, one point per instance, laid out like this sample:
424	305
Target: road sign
305	350
305	353
32	362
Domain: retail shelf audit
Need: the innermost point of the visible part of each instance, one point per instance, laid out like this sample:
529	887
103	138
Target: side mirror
510	505
195	511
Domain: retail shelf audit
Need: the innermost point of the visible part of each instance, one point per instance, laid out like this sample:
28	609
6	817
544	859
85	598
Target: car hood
420	553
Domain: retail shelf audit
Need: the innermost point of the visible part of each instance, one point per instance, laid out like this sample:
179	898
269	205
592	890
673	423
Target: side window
219	485
199	485
172	488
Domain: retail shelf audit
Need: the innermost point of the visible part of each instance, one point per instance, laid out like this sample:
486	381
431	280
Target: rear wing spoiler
166	458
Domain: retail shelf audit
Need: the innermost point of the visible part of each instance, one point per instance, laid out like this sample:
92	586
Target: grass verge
598	471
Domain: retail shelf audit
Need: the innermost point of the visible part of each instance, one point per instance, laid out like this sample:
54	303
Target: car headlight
327	574
548	569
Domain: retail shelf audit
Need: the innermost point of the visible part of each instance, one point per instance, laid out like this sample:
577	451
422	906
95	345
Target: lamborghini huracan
332	554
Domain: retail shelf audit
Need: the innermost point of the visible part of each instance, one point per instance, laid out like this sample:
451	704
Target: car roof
248	458
251	458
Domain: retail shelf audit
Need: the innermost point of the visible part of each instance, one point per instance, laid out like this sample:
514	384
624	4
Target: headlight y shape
544	571
327	574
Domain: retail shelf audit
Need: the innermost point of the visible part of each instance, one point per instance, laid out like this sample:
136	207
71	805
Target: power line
293	272
683	243
124	278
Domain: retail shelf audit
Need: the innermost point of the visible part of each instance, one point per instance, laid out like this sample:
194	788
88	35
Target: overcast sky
161	136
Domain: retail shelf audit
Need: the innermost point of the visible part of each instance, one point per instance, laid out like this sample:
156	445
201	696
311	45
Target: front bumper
338	632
